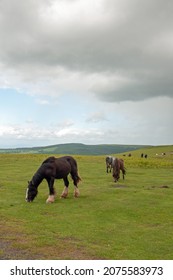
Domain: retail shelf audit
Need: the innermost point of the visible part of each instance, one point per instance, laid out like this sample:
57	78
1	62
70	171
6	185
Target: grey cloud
116	39
137	91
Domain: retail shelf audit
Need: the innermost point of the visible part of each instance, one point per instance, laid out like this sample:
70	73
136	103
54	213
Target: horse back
67	164
59	167
73	168
55	167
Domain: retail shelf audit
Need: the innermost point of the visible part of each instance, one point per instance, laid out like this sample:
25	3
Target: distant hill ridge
77	149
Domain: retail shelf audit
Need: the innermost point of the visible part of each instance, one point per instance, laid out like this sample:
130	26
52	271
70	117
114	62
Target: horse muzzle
28	200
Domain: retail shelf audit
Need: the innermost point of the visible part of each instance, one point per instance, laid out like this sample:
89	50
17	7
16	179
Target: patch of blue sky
14	106
18	107
21	108
73	107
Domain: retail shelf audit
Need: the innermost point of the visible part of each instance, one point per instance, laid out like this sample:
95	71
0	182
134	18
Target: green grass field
131	219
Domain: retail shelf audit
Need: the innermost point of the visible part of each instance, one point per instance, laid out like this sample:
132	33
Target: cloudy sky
86	71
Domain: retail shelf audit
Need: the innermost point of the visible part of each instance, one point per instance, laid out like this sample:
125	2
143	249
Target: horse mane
116	163
49	160
39	174
37	178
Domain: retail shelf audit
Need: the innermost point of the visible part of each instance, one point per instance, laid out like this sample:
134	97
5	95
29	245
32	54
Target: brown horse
54	168
117	166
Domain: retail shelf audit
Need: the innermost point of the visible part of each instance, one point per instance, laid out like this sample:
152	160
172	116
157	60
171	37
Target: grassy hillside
153	151
75	149
131	219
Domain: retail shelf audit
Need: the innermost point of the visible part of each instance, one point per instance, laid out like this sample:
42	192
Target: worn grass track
131	219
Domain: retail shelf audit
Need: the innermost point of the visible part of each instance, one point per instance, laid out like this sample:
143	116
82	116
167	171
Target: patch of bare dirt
119	186
157	187
9	252
15	245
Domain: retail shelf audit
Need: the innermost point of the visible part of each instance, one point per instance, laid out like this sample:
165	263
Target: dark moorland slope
77	148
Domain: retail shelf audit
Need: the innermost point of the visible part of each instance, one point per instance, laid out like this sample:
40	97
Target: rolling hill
77	148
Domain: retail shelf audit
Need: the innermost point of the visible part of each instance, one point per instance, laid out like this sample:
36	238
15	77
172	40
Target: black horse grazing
54	168
109	163
117	166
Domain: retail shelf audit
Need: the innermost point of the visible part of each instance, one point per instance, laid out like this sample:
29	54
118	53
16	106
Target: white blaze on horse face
26	197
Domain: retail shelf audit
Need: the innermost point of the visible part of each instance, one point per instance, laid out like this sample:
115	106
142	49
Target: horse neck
116	164
37	178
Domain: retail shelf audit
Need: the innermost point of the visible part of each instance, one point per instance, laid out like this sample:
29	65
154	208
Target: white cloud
105	52
19	134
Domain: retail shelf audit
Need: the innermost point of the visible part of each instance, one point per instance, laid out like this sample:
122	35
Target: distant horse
54	168
117	166
109	163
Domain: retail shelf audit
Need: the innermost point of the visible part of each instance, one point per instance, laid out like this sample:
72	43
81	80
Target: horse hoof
63	195
76	194
50	199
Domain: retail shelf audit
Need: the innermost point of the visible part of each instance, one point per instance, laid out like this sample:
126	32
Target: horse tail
74	170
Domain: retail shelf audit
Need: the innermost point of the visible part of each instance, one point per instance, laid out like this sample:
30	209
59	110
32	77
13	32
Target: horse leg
76	192
51	197
65	191
117	178
124	172
76	180
107	169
